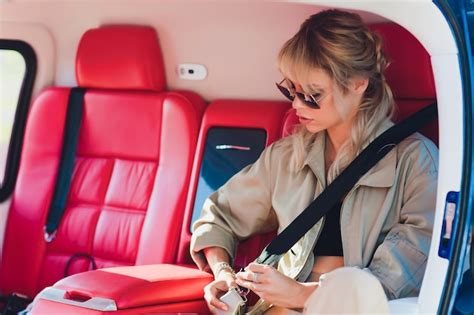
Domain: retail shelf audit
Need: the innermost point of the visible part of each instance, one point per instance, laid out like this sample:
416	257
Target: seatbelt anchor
49	237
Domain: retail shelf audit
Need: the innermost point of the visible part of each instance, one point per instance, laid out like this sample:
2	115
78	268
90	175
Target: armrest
129	287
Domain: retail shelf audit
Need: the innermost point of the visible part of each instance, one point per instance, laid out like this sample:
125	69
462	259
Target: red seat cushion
188	307
140	285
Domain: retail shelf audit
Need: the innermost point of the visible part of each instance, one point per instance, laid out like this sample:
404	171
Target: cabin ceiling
237	41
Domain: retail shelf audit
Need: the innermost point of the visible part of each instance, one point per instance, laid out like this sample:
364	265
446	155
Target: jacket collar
381	175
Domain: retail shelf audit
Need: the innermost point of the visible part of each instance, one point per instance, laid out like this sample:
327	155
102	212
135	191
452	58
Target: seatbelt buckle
49	237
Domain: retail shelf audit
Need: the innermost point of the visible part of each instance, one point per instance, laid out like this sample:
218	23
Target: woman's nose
297	103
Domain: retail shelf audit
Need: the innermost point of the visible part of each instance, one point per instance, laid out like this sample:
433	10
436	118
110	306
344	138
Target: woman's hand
214	290
274	287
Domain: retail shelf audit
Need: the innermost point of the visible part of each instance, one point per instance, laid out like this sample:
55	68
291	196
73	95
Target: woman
333	72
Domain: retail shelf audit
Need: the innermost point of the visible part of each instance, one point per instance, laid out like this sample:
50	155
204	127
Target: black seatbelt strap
334	192
63	180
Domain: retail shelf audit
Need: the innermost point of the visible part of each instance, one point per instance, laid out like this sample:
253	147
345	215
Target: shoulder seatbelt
333	193
66	165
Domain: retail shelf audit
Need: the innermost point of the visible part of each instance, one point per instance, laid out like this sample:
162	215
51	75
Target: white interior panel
450	110
40	39
237	41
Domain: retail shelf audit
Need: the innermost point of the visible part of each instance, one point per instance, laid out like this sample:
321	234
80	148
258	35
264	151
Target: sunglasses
309	100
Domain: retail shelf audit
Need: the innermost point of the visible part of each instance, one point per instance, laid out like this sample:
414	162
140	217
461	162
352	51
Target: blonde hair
342	45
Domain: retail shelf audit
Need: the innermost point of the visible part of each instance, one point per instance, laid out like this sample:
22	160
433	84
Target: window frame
454	12
16	140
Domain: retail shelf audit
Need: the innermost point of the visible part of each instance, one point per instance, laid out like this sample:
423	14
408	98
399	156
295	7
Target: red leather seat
131	175
266	115
69	294
409	75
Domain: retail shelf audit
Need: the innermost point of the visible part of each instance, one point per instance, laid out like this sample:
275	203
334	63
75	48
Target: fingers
251	276
211	293
255	287
256	273
230	281
254	267
256	277
214	303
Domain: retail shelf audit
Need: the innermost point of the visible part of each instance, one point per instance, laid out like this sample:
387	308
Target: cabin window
12	74
17	72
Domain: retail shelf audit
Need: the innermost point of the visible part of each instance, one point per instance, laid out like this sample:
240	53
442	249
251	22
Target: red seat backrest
409	74
132	169
265	115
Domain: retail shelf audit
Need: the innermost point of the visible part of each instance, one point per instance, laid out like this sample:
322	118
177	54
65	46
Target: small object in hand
242	290
234	300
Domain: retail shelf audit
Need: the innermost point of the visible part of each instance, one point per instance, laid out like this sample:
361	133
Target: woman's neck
337	136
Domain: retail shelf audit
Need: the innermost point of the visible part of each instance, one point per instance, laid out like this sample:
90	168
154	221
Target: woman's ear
358	85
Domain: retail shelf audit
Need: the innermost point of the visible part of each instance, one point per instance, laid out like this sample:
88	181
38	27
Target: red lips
303	120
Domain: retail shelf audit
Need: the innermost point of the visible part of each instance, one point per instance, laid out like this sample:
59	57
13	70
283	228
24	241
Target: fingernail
224	307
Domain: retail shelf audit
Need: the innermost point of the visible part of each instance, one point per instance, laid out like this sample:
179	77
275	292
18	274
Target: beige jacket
386	219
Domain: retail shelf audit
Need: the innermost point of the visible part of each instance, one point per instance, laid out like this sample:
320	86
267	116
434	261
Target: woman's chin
313	129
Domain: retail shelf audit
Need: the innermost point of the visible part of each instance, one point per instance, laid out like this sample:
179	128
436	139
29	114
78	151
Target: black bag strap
66	165
334	192
76	256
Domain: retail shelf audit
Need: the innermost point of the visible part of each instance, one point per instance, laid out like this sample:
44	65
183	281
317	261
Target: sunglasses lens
285	91
308	102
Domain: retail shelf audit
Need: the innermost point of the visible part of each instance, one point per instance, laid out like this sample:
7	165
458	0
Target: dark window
226	152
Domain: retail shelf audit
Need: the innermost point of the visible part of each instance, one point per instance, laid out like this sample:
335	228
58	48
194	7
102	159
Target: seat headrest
120	57
409	73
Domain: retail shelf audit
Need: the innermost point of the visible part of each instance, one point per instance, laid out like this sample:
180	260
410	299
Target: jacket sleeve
239	209
400	261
